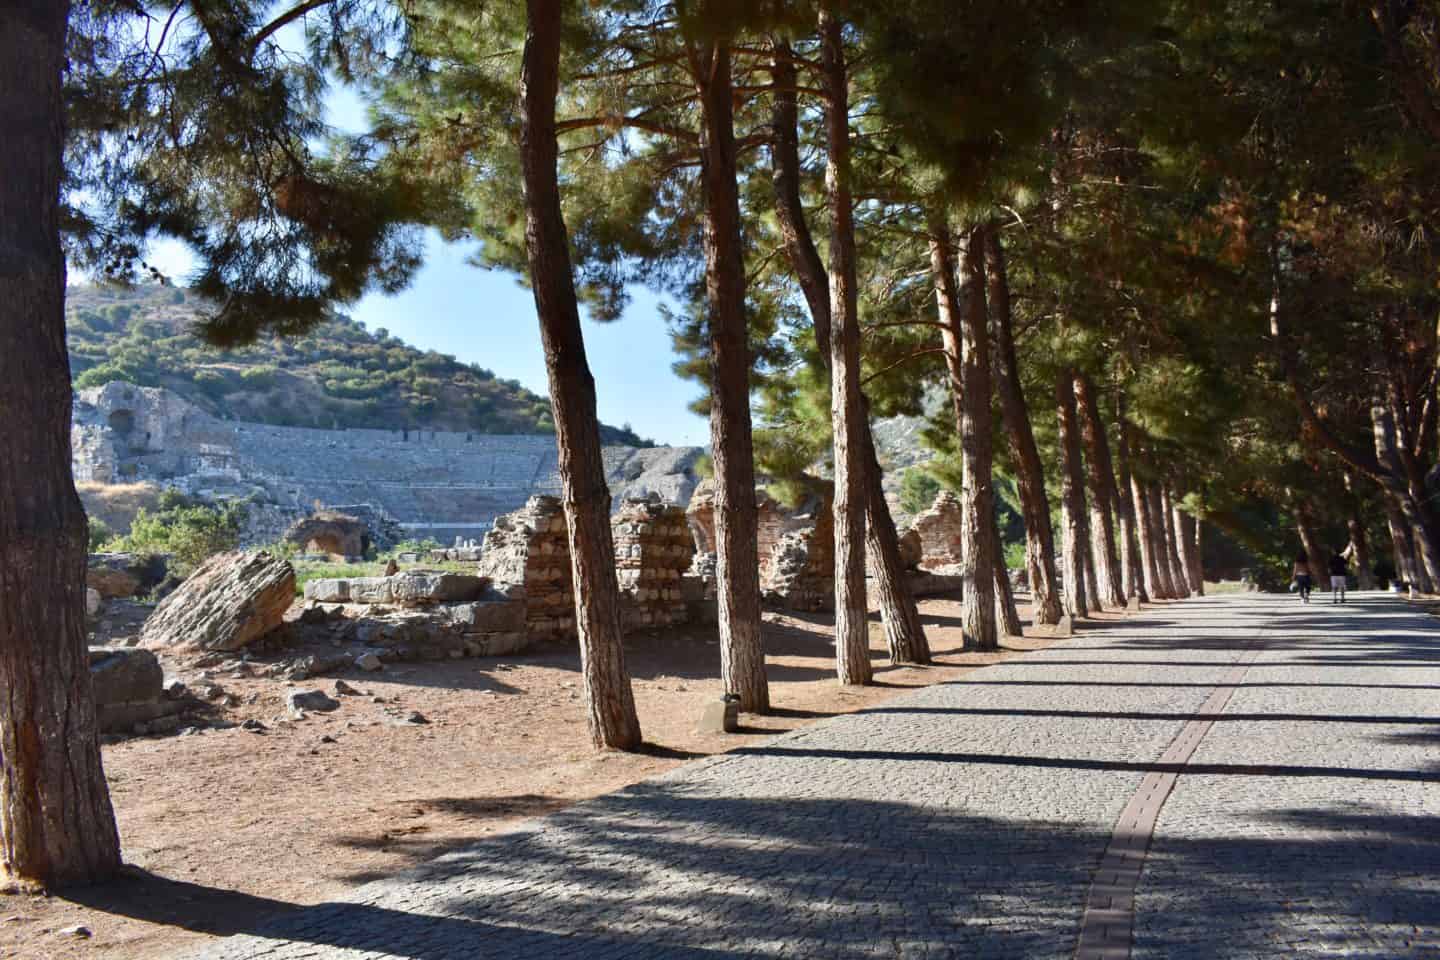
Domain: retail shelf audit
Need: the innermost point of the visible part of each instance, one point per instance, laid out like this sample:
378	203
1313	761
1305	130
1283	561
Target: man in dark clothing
1338	569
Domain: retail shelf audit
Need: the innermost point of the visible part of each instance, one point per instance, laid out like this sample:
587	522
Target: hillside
339	375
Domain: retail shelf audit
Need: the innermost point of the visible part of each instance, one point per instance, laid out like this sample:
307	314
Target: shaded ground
224	826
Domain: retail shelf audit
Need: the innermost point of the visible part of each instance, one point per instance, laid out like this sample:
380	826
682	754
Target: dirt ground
224	827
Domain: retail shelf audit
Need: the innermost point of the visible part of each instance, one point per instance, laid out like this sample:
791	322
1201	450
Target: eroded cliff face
432	483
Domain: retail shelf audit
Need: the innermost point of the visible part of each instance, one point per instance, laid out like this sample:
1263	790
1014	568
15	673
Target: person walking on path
1339	568
1301	572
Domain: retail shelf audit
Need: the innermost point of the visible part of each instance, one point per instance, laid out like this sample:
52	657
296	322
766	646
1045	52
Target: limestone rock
311	700
92	601
129	689
368	662
231	601
125	675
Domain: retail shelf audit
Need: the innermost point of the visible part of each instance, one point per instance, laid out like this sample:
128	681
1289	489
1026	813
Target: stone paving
969	819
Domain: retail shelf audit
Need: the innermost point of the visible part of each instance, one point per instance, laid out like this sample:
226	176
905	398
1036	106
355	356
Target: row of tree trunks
56	824
742	658
1170	574
1103	495
904	634
852	642
1132	560
1075	540
1174	544
1015	416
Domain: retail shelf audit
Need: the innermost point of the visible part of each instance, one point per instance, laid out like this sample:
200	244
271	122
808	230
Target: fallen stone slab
233	600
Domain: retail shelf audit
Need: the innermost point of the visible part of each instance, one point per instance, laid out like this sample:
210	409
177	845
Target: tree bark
1007	617
1092	582
1314	552
978	538
1401	544
1075	537
742	658
1029	471
1132	560
1102	482
1409	497
1163	587
57	828
1359	548
904	633
1171	553
608	696
1197	551
847	413
1184	525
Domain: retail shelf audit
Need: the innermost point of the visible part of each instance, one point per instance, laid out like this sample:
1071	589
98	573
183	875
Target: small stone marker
720	716
1065	628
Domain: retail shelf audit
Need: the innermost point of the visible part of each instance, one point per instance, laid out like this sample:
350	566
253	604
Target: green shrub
190	532
99	533
917	490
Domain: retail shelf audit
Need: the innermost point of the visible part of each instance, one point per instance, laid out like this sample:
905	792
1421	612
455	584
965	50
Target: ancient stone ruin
800	574
337	535
420	614
432	483
939	529
653	550
528	549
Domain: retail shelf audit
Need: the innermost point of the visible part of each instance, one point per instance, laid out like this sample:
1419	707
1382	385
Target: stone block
328	591
372	590
435	586
125	675
720	716
231	601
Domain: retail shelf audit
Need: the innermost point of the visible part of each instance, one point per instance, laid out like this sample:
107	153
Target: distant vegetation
338	375
190	532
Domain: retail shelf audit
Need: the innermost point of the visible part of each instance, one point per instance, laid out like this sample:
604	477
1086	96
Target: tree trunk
1132	560
1411	502
904	634
1359	548
1402	546
57	828
1029	472
742	658
1171	536
1092	581
1197	552
1166	587
1007	617
847	413
978	540
1072	498
1184	525
1150	565
1314	552
1102	482
608	697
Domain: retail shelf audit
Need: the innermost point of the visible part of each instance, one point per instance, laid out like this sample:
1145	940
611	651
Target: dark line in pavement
1108	925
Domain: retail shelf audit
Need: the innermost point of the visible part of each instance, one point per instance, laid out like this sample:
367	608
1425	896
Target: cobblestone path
970	819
